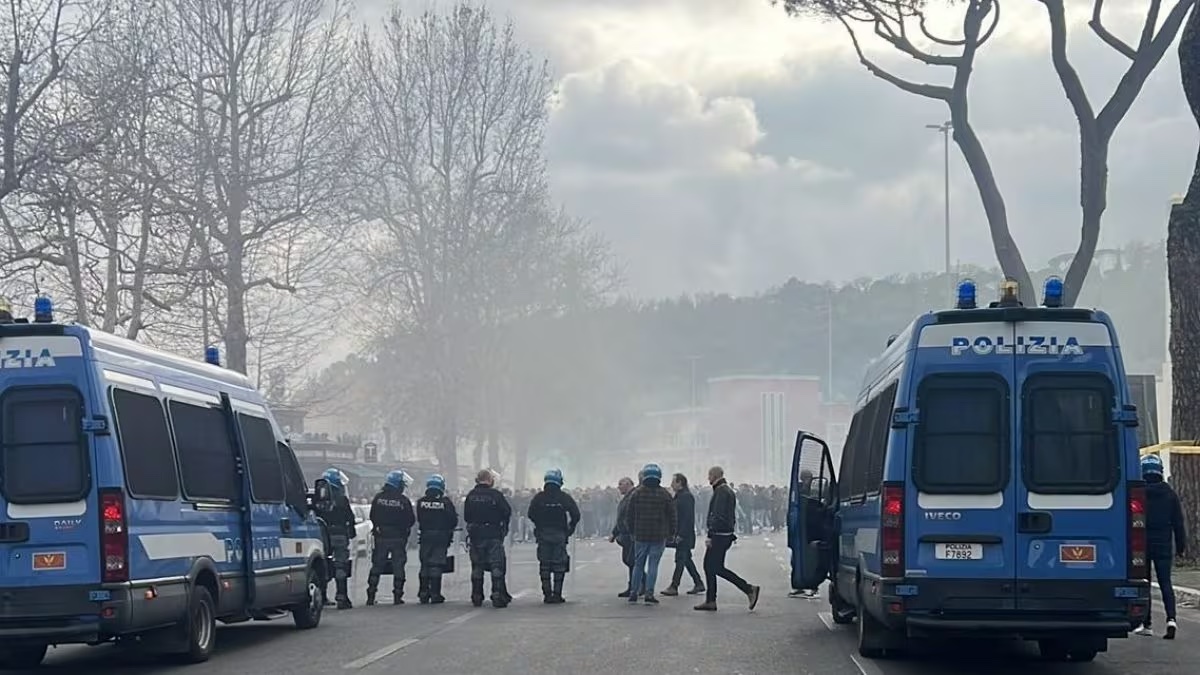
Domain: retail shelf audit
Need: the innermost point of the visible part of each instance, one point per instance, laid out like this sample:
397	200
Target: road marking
770	544
866	667
379	654
359	664
827	619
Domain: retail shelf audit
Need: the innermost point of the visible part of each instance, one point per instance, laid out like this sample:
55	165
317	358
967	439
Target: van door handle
285	525
1034	522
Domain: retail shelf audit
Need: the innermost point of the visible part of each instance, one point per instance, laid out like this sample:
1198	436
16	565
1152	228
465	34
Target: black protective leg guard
500	596
559	578
435	590
423	590
477	592
547	590
343	594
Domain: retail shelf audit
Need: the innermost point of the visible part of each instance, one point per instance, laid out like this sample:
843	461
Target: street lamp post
944	130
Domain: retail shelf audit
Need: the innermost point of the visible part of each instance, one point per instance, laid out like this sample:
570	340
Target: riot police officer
339	518
392	519
554	515
437	518
487	514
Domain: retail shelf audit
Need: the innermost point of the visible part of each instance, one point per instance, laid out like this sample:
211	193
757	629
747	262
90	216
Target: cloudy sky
721	146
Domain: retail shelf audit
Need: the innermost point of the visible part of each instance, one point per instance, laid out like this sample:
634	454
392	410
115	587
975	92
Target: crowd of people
644	517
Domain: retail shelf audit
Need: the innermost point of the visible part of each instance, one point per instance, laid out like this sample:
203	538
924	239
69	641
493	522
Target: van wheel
875	640
1082	655
201	628
1053	650
842	611
308	614
22	657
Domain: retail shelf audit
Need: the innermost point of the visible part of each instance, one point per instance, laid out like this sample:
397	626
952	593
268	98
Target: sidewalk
1187	586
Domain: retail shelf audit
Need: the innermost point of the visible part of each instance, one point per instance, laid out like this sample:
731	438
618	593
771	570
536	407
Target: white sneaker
1170	630
1145	631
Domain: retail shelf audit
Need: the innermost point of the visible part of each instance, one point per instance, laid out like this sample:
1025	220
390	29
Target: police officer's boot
370	597
477	592
557	597
423	584
500	596
435	590
343	595
547	590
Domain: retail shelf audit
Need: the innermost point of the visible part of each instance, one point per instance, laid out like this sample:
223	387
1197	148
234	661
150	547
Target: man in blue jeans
650	518
1166	537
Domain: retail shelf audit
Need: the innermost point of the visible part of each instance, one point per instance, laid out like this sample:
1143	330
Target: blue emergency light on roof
43	310
1053	294
212	356
966	294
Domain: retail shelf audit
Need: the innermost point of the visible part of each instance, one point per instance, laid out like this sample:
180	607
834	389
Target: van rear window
43	458
962	444
1069	438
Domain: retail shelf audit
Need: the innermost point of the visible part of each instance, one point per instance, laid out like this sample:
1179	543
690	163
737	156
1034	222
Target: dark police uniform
392	519
438	518
554	515
487	514
339	518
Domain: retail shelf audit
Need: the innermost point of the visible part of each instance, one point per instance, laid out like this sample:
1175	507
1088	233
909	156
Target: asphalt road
595	632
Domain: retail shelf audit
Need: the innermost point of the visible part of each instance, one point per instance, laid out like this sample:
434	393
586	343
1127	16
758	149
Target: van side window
961	444
1070	443
848	472
146	447
206	458
294	486
881	428
44	457
266	478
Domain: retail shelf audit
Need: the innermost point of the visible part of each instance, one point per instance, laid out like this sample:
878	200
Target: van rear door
1071	516
959	537
49	532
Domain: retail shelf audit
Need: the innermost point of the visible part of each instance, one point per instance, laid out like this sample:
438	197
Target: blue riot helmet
335	478
396	479
1152	465
652	472
436	482
554	477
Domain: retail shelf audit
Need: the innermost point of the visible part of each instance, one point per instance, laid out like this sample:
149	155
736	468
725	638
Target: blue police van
989	485
143	498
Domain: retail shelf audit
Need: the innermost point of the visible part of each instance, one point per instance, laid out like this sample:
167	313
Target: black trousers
714	566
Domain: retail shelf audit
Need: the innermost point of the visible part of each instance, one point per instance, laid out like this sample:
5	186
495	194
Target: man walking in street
650	516
722	522
685	540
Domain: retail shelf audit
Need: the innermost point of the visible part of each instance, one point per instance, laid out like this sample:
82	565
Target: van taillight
114	537
892	532
1137	533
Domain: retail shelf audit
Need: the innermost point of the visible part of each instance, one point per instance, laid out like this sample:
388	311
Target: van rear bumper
1028	609
63	614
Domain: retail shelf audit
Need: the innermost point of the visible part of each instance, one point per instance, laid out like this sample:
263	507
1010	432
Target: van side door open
812	499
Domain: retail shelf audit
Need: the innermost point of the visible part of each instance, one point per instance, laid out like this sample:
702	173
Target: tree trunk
1093	197
477	454
493	448
446	447
521	446
1183	274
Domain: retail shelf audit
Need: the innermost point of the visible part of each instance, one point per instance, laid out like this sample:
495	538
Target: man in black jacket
487	514
1166	536
621	535
722	521
392	519
685	540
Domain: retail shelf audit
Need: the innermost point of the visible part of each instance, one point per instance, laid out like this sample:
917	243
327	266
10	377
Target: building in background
748	425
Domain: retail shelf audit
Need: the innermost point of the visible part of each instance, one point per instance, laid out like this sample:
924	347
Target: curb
1184	595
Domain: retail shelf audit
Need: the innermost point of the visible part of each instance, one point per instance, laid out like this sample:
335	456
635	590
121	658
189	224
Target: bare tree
95	230
1096	128
267	106
903	24
454	184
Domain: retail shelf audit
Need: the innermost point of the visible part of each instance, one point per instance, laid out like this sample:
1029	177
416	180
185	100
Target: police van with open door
989	485
143	498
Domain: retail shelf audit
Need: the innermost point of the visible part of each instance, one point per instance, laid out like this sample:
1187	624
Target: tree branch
933	91
1097	25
